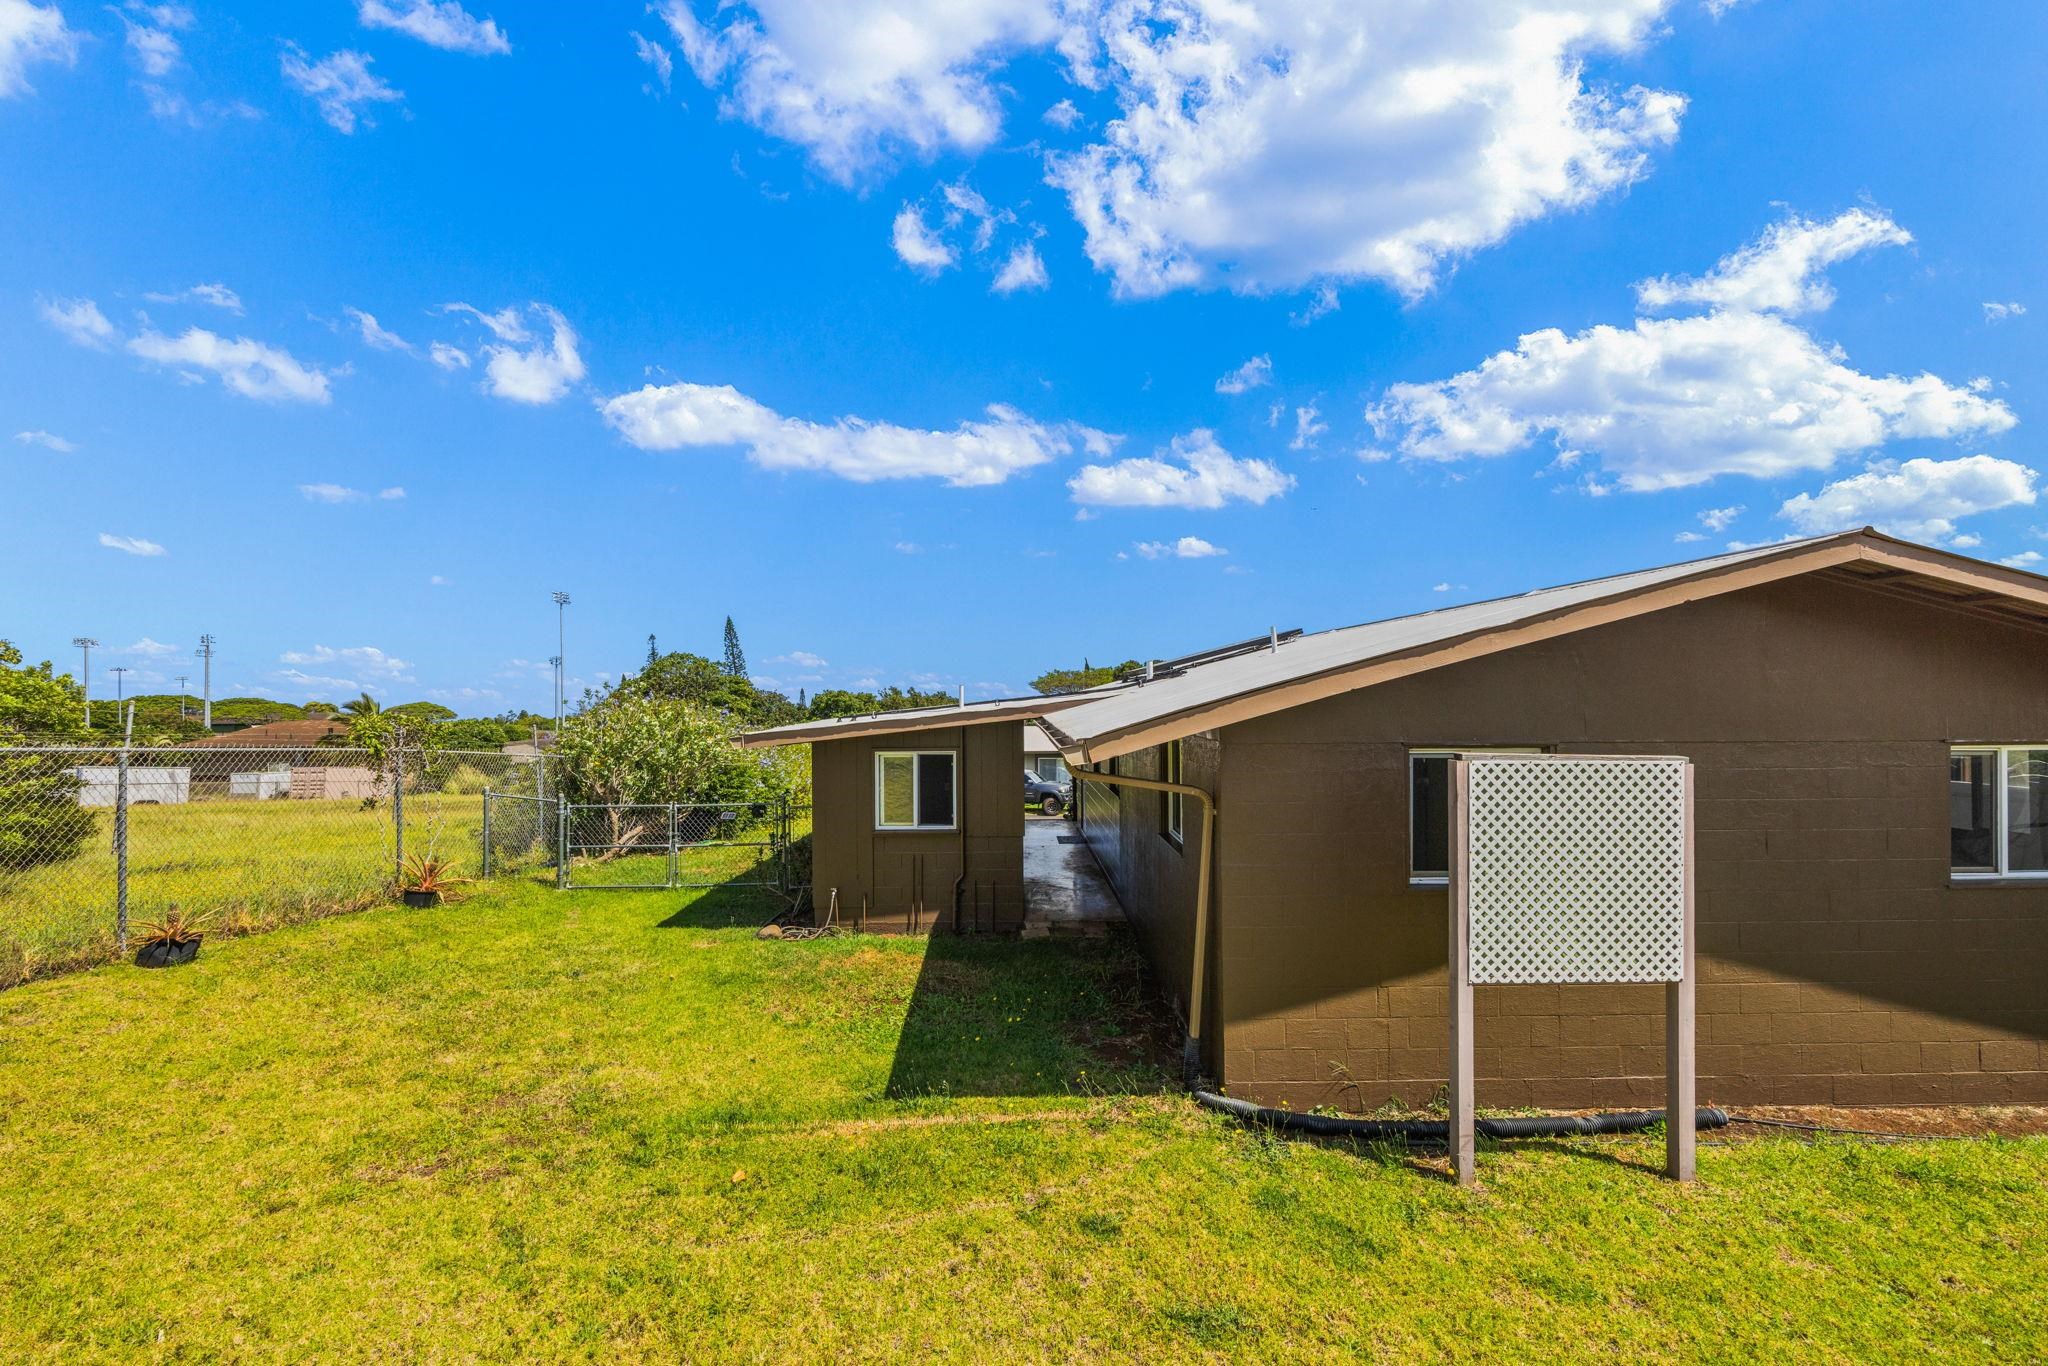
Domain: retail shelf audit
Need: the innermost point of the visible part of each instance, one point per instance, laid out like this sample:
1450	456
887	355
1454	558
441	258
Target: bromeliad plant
427	878
172	939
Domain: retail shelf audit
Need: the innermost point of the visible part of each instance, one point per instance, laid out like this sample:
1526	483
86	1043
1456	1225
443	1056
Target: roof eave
1866	544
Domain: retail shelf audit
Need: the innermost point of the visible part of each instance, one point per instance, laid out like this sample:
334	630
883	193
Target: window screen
896	790
915	790
2026	810
1429	815
1972	812
935	789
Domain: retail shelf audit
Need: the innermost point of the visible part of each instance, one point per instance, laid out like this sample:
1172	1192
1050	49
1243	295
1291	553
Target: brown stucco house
1869	723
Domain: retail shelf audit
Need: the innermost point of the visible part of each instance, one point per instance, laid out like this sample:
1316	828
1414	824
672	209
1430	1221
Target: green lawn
251	864
617	1126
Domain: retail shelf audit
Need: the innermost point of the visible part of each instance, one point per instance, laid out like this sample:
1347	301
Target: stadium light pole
117	671
86	643
206	654
181	696
561	652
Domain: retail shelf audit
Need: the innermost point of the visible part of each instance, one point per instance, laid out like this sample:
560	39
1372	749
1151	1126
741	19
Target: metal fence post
561	845
398	806
484	856
673	859
121	834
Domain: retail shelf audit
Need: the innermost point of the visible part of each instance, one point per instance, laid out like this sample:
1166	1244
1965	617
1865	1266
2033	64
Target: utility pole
117	671
561	651
181	696
86	644
206	654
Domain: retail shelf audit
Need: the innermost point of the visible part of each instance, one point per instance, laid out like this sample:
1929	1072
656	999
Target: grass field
616	1125
252	864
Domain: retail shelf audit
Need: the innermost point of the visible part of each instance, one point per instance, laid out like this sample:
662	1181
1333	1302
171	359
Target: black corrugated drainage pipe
1438	1131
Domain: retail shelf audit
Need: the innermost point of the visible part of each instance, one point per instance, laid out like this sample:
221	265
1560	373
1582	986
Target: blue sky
947	342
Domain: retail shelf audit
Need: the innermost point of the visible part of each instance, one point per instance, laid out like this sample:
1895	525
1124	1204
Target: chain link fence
93	839
683	844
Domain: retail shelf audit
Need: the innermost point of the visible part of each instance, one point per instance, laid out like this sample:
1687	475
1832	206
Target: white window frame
1171	767
916	788
2001	839
1443	879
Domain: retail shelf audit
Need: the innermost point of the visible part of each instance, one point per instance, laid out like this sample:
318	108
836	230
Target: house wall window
1050	768
1429	810
1998	811
1172	805
915	790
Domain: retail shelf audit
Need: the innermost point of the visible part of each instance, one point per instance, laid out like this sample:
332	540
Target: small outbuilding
1868	723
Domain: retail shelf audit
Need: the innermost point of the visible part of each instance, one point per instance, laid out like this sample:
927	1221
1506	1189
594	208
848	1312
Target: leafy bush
466	781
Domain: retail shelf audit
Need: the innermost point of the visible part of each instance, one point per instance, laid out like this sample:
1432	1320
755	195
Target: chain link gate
682	844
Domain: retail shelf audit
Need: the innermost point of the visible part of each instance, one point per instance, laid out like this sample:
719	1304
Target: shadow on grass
1006	1017
726	907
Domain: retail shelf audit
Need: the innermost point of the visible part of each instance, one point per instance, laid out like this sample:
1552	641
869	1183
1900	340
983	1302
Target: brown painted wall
851	855
1155	878
1837	962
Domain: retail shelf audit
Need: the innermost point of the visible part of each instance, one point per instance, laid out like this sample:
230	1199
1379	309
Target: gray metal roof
921	718
1087	725
1307	656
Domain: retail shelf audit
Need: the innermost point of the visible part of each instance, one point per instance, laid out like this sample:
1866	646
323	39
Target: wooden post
1463	1163
1680	1099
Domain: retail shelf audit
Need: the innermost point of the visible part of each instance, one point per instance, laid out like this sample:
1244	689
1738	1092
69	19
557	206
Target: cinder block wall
1838	964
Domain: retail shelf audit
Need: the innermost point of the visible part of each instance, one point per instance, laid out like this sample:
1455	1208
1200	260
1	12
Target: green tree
693	678
735	658
422	712
652	653
1057	681
364	705
40	818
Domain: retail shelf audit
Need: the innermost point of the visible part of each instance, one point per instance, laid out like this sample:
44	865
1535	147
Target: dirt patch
1902	1121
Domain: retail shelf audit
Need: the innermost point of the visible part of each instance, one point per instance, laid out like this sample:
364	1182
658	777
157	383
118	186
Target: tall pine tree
735	658
652	653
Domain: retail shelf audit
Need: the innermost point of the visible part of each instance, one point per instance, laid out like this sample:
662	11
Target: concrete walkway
1065	894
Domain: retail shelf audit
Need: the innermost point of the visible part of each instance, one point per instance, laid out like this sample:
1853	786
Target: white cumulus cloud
214	295
1672	402
1186	548
1918	499
252	369
920	248
341	84
1195	472
657	59
448	357
443	23
375	335
1253	374
860	82
687	416
29	34
131	545
80	320
1308	428
1781	271
1432	130
1022	269
365	660
1998	312
47	440
522	366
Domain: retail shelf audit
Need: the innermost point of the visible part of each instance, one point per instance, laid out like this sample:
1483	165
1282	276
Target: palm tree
365	705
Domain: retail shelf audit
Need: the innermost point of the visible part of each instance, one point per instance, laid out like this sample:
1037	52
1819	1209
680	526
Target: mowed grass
617	1126
251	865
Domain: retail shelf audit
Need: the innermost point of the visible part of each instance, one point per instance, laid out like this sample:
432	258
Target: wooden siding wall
1154	878
850	854
1838	963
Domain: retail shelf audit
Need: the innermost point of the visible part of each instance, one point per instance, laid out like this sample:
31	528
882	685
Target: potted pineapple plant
172	940
426	878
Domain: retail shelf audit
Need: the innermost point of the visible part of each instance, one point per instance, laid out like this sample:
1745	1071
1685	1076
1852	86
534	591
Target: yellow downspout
1191	1053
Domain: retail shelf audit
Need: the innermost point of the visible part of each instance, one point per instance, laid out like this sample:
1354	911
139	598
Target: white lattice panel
1577	869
